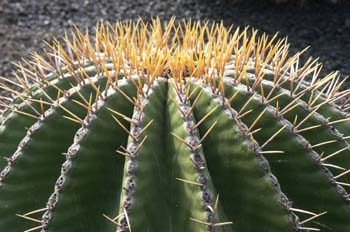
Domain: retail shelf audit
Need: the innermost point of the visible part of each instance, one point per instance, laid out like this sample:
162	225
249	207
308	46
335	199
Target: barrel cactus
183	126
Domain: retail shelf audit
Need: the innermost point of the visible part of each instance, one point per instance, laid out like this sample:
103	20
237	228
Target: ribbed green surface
246	194
11	134
13	131
39	163
324	133
300	177
150	209
94	181
186	200
170	203
159	201
88	163
327	110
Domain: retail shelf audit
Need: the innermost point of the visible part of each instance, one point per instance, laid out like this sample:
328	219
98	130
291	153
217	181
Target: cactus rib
143	164
85	141
247	152
323	92
33	150
200	177
312	122
336	193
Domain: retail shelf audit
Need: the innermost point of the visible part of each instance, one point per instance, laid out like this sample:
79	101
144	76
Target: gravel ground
326	27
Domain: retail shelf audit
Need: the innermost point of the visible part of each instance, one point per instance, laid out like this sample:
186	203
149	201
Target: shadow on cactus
176	127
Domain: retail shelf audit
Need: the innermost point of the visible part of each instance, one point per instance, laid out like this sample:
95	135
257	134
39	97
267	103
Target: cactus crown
177	127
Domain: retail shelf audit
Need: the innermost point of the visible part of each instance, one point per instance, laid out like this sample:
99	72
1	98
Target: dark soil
326	27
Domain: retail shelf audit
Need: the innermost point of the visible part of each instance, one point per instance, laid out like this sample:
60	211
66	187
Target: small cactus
177	127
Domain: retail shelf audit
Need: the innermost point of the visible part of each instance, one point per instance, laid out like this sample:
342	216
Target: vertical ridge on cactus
185	126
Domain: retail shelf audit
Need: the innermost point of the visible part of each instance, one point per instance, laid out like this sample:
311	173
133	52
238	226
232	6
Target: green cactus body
174	128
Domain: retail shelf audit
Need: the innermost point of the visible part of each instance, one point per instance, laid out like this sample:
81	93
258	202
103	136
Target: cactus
177	127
